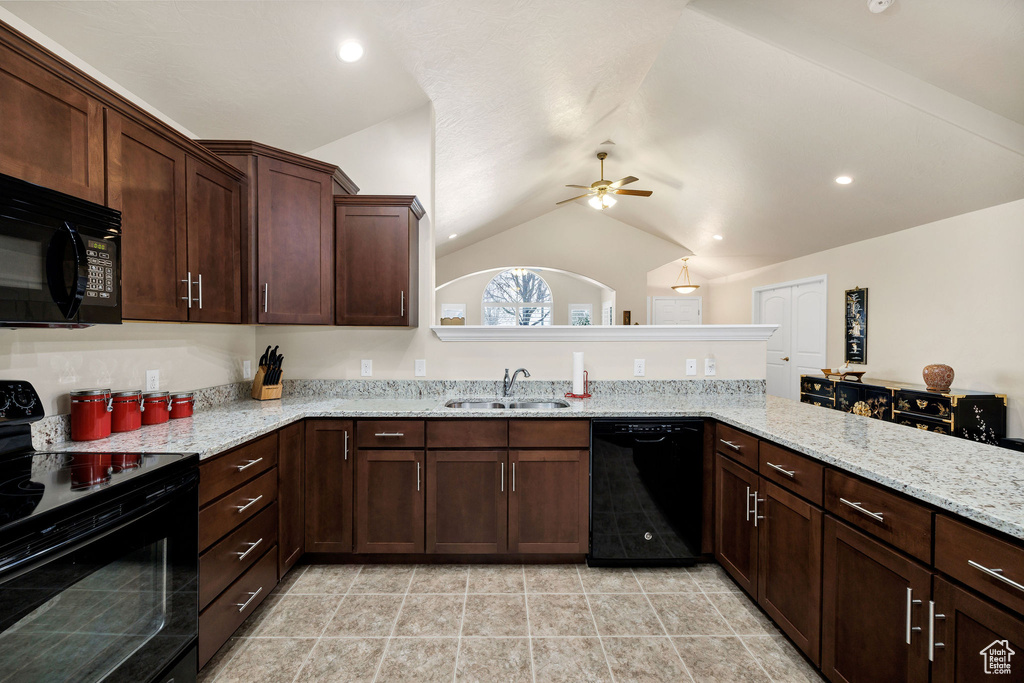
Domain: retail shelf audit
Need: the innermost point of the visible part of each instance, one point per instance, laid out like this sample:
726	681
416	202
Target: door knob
785	358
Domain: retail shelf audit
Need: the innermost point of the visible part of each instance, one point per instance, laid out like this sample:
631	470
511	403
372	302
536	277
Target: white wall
945	292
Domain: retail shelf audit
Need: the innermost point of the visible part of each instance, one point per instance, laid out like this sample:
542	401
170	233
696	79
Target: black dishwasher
646	492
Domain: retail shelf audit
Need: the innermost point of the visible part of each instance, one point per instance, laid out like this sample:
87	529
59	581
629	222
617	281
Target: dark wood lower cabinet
467	502
972	638
875	610
291	496
389	498
549	501
329	481
735	533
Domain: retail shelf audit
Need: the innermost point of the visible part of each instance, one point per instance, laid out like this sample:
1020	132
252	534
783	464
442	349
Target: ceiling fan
601	191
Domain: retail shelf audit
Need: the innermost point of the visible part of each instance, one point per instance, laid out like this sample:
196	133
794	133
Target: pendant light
684	287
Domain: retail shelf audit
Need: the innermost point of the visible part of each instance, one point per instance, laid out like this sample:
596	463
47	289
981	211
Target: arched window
517	296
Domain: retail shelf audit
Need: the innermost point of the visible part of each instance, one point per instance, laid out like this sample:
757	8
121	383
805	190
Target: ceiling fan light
596	203
608	201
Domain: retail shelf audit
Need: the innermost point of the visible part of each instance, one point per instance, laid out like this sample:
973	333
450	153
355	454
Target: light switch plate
709	367
691	366
639	367
366	368
246	369
152	380
421	367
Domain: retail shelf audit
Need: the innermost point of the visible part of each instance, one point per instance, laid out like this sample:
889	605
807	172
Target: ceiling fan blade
635	193
582	187
566	201
623	181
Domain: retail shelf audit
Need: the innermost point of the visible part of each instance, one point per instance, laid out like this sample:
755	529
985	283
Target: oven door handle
67	296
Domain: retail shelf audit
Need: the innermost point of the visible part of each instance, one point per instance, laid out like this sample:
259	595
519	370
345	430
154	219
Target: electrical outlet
366	368
152	380
639	367
421	367
691	366
246	369
709	367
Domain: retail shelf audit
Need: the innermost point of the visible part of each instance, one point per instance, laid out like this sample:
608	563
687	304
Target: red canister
156	407
90	414
127	413
181	404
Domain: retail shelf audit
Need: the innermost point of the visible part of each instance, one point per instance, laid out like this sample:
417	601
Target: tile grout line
327	623
658	617
394	625
529	634
737	635
597	631
462	626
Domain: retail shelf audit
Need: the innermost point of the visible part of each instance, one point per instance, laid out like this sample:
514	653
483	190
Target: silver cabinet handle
788	473
403	304
200	291
910	606
502	477
996	574
248	464
390	434
731	445
252	546
856	506
266	296
746	503
932	616
346	444
756	516
188	289
252	501
417	476
252	596
513	477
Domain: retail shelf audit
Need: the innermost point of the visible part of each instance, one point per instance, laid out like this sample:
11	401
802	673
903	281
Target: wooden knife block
262	392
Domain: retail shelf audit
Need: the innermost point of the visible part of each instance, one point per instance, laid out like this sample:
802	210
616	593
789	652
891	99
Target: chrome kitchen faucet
507	386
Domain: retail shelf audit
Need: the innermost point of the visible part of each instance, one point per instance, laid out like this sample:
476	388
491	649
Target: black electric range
98	558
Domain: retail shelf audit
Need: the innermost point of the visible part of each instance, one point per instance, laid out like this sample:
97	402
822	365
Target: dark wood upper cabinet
329	472
377	260
288	246
389	501
214	244
291	496
735	533
146	181
52	130
549	501
875	610
467	501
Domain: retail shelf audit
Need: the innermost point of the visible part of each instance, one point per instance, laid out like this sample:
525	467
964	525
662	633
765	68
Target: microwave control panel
19	401
101	288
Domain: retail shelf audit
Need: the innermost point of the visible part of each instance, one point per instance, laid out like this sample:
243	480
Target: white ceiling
737	113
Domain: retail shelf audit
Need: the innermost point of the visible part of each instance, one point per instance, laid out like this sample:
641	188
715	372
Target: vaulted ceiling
737	113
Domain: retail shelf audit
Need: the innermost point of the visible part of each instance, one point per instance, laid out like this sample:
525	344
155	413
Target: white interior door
798	346
677	310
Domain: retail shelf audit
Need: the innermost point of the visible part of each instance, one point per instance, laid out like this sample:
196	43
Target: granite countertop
977	481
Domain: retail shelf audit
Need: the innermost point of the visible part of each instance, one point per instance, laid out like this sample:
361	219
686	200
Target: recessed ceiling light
453	235
350	51
717	237
844	180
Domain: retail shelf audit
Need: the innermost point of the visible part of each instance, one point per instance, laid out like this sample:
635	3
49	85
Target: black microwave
60	259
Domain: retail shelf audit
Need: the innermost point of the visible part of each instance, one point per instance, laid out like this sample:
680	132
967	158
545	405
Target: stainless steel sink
475	405
466	404
538	405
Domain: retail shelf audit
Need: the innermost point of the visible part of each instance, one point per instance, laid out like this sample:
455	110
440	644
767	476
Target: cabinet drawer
933	405
737	445
817	400
817	386
225	614
549	433
792	471
225	472
221	564
923	423
224	514
957	546
389	434
896	520
467	434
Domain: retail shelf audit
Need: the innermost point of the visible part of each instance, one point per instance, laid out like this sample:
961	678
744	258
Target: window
581	314
517	297
607	314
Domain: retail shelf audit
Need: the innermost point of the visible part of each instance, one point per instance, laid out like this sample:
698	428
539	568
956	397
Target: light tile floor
533	623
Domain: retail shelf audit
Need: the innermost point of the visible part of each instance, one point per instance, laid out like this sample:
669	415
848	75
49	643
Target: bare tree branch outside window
517	296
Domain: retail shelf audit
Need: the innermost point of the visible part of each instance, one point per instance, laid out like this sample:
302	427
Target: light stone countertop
979	482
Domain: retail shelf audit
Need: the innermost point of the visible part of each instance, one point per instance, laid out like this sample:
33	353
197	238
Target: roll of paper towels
577	372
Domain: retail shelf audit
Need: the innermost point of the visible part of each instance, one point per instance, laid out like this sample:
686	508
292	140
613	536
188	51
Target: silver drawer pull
393	434
910	606
788	473
996	574
252	546
932	645
252	501
252	596
731	445
248	464
856	506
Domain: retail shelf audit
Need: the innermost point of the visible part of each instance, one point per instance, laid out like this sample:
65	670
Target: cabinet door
467	502
290	496
789	566
376	260
329	486
389	501
735	533
146	183
295	244
972	640
214	244
875	607
549	502
52	131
